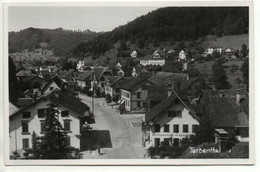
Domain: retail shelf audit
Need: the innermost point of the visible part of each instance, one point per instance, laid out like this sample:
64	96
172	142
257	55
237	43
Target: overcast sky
92	18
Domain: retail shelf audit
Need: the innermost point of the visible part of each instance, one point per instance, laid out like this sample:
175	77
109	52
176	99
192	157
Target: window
176	128
68	140
26	114
157	128
157	142
41	113
185	128
25	143
42	126
173	114
166	128
51	88
67	125
65	113
25	127
195	128
138	104
138	95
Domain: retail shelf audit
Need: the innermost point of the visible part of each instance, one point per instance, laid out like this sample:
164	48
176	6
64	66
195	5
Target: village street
124	130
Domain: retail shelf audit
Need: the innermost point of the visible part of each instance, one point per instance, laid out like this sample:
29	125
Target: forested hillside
171	24
60	41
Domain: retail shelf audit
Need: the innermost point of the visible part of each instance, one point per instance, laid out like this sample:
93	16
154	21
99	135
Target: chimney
221	137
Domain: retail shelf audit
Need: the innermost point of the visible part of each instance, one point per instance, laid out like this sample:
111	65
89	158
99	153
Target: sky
93	18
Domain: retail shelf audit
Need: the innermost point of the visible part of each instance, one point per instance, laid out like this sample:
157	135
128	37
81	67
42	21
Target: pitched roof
99	71
59	97
227	108
157	92
84	76
156	110
23	73
187	83
57	80
134	83
67	74
12	108
24	101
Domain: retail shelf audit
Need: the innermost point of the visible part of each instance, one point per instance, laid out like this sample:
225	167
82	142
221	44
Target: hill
170	25
59	41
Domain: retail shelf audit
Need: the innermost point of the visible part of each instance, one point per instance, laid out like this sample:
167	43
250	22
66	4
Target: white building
152	61
182	55
169	122
80	66
134	54
32	119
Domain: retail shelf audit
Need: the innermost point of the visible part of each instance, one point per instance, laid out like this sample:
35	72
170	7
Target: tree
13	87
108	98
219	75
244	50
54	142
245	70
205	132
122	46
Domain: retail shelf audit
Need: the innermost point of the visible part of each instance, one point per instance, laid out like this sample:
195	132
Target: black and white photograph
137	84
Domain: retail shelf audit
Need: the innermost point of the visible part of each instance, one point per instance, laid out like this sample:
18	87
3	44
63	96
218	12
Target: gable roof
67	74
24	101
12	108
134	83
229	110
99	71
187	83
23	73
156	110
55	79
59	97
157	92
84	76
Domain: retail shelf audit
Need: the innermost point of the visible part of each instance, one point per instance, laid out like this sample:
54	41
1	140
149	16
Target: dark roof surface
157	92
187	83
67	74
134	83
162	78
225	110
85	76
23	73
24	101
59	97
156	110
99	71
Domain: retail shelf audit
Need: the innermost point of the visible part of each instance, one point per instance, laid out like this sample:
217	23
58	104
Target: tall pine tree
54	142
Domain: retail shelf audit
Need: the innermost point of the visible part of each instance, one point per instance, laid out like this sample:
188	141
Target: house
227	110
228	53
31	118
169	122
182	55
172	80
33	81
113	86
84	79
210	51
190	89
80	65
134	94
133	54
152	61
69	76
156	94
100	74
22	74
